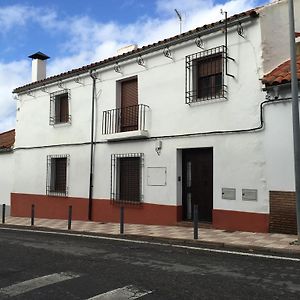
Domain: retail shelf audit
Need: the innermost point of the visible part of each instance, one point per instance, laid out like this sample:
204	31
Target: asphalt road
49	266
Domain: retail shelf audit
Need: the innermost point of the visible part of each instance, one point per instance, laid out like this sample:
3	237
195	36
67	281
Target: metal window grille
60	107
204	78
57	166
127	177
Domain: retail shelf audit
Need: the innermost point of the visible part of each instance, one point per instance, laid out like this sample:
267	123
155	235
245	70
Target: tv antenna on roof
180	20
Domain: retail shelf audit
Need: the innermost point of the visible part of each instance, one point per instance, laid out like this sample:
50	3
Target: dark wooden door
129	105
197	181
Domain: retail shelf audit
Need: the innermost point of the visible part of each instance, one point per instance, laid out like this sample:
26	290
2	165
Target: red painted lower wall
105	210
242	221
51	207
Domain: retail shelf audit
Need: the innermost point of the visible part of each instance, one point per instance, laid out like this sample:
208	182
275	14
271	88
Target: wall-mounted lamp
158	146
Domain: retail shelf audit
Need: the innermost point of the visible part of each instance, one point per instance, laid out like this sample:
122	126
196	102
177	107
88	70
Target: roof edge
205	29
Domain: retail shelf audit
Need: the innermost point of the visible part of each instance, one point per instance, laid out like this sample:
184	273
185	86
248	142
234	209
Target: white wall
274	21
239	159
278	145
6	177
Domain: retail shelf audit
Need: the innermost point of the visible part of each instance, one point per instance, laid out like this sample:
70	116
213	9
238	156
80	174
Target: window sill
57	194
207	101
58	125
136	134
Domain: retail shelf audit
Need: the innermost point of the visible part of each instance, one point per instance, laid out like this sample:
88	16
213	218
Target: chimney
126	49
38	66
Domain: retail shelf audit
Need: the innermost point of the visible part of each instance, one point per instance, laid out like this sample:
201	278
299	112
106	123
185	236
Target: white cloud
182	6
87	40
12	74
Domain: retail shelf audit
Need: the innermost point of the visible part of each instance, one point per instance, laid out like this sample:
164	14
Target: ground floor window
126	177
57	175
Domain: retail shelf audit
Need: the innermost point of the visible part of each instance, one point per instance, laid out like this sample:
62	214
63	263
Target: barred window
57	175
126	179
205	75
59	107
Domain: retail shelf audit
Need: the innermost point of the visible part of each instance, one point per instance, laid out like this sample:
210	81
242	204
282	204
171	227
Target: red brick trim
283	212
242	221
104	210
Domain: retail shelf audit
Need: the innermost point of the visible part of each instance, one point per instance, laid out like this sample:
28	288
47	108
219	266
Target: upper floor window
129	108
57	175
59	107
205	75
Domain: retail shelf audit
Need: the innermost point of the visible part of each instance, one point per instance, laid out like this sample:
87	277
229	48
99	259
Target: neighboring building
159	129
279	148
7	140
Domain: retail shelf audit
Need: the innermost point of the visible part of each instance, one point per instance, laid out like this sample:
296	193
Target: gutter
206	29
6	150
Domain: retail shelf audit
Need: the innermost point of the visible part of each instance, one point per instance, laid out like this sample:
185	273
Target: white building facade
159	130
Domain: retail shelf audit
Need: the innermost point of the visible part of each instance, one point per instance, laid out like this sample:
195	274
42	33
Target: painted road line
159	244
35	283
127	292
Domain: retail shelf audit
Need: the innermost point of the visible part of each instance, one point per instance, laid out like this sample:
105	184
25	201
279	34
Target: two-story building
161	128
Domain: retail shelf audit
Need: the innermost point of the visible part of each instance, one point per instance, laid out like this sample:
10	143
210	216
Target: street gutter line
159	244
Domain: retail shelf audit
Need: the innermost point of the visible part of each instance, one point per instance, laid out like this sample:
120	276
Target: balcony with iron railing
125	122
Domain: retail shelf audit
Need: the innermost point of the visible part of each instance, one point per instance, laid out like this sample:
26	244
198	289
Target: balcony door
129	105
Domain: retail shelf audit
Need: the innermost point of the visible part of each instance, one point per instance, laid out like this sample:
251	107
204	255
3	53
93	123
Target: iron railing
123	119
126	184
196	93
57	183
60	112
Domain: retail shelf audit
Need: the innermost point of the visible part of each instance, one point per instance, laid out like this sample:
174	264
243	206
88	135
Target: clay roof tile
281	74
7	139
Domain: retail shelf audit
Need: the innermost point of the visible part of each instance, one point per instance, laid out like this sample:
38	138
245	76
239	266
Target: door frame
184	179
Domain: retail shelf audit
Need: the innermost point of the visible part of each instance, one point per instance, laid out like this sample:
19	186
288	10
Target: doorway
197	183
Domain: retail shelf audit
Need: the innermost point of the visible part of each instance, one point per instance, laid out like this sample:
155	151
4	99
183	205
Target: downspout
92	143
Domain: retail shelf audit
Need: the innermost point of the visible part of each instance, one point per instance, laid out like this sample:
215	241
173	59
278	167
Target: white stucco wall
241	160
6	177
274	21
278	144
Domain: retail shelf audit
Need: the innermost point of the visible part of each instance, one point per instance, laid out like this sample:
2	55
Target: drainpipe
90	208
295	112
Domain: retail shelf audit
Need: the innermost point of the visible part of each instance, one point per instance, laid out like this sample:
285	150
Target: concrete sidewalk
273	242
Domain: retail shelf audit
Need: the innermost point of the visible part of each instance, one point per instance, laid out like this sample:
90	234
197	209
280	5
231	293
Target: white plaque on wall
157	176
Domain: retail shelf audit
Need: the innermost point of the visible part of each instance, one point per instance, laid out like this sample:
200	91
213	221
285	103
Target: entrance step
206	225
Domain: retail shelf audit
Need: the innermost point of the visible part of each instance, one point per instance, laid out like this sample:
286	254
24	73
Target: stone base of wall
283	212
103	210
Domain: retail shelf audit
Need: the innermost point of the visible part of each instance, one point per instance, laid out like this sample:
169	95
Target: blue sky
77	32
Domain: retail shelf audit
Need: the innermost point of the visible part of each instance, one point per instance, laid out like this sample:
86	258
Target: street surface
50	266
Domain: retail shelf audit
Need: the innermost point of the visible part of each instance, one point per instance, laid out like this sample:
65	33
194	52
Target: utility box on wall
249	195
228	193
157	176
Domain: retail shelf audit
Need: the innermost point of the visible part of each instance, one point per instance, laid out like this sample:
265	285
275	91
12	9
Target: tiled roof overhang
206	29
7	140
281	74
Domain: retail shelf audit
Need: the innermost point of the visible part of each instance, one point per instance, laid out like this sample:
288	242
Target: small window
205	75
126	184
59	107
57	175
209	77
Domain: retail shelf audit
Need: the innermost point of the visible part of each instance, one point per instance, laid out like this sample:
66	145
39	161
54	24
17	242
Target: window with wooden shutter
59	107
57	175
129	105
205	75
126	179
